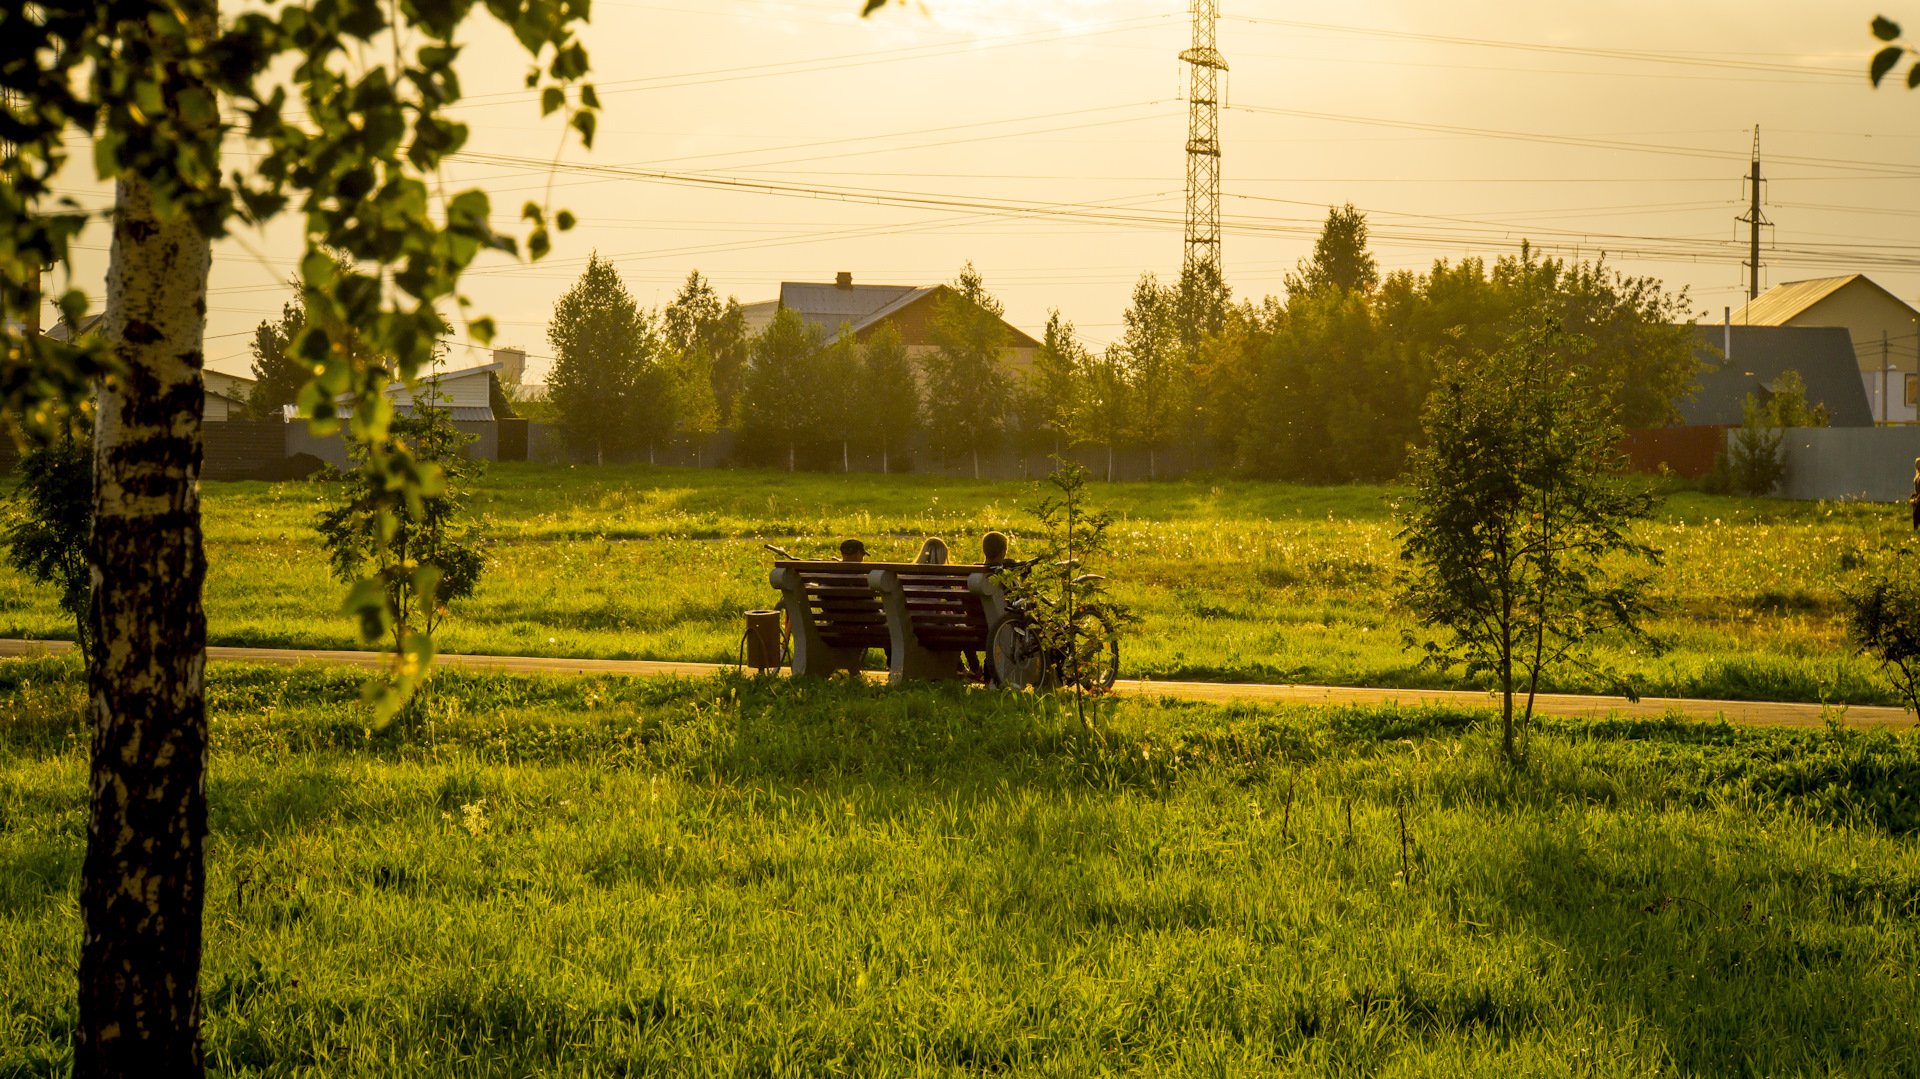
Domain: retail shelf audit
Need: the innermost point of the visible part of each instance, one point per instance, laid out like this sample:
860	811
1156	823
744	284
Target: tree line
1323	385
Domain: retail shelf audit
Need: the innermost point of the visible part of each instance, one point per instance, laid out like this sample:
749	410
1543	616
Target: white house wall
458	390
1895	408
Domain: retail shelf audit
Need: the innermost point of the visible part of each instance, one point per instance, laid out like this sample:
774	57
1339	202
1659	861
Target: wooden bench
934	613
834	613
924	616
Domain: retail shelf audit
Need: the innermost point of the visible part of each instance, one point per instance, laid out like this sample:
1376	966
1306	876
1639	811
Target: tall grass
1235	580
601	876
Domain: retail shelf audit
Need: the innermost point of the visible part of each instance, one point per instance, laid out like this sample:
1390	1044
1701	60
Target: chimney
843	279
1726	331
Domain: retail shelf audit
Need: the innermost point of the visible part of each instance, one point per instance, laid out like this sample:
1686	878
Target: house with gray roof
1740	360
1883	332
863	309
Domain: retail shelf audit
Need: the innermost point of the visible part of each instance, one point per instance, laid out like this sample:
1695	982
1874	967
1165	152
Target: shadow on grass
1737	974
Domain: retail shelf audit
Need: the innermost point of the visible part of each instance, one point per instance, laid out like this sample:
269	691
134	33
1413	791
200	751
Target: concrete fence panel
1861	464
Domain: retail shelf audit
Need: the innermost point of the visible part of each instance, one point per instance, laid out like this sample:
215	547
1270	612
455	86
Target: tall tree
696	319
844	408
1156	369
1316	416
1226	372
1340	256
599	375
892	393
969	391
143	83
1103	403
780	399
695	412
1044	397
278	374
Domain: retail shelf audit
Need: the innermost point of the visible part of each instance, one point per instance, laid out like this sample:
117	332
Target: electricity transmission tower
1204	64
1755	221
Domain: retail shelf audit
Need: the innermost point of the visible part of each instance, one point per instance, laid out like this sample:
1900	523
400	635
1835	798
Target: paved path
1754	713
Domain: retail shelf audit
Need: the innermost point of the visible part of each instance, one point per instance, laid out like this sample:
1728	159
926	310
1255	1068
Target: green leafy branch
1888	58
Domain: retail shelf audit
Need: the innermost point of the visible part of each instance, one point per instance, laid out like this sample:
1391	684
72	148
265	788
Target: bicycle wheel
1013	655
1096	660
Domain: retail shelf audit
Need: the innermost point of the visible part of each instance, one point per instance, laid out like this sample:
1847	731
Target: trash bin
763	640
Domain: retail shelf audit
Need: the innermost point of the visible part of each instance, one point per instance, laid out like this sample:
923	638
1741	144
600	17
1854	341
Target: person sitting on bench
932	553
993	550
853	551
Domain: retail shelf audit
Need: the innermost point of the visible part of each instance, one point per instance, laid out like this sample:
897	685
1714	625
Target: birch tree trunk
143	879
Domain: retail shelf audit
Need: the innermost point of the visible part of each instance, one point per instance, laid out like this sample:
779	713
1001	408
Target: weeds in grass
743	876
1249	582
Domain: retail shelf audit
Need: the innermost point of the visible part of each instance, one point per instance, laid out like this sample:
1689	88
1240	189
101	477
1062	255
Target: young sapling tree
52	517
1520	521
407	564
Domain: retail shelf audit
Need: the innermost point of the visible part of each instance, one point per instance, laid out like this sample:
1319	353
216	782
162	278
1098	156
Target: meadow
726	877
1234	580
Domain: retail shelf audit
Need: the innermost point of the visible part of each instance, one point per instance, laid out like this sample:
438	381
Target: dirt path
1753	713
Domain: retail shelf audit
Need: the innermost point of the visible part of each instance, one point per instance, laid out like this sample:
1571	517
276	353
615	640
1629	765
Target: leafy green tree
1643	347
695	412
1883	622
844	408
1045	396
154	90
969	391
1754	461
1519	523
1340	259
1074	545
1317	414
407	567
892	393
52	516
780	400
1226	371
1103	403
606	388
1156	370
278	374
697	320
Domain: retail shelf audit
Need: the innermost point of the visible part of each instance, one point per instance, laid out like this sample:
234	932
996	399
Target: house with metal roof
226	395
1740	360
863	309
1883	329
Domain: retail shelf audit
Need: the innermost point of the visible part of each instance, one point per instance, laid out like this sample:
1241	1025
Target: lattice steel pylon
1204	64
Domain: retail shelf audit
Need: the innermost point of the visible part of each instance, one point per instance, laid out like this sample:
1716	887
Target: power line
1636	55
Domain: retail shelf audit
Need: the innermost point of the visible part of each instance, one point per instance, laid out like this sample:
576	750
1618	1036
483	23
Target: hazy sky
1044	141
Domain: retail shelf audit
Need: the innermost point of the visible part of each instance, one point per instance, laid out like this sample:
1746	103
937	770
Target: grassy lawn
593	876
1235	580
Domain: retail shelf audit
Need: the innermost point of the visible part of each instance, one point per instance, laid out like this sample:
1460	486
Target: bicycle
1018	655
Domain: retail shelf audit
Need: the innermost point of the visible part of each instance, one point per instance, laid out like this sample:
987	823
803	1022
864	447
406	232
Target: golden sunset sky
770	140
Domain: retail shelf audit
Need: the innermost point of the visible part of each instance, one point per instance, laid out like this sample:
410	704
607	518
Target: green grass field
1235	580
594	876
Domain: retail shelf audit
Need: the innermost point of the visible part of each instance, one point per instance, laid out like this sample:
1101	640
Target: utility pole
1755	221
1204	64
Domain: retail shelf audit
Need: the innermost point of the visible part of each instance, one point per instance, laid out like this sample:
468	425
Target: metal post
1755	221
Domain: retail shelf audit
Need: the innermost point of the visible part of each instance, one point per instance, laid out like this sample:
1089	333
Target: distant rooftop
829	306
1785	302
